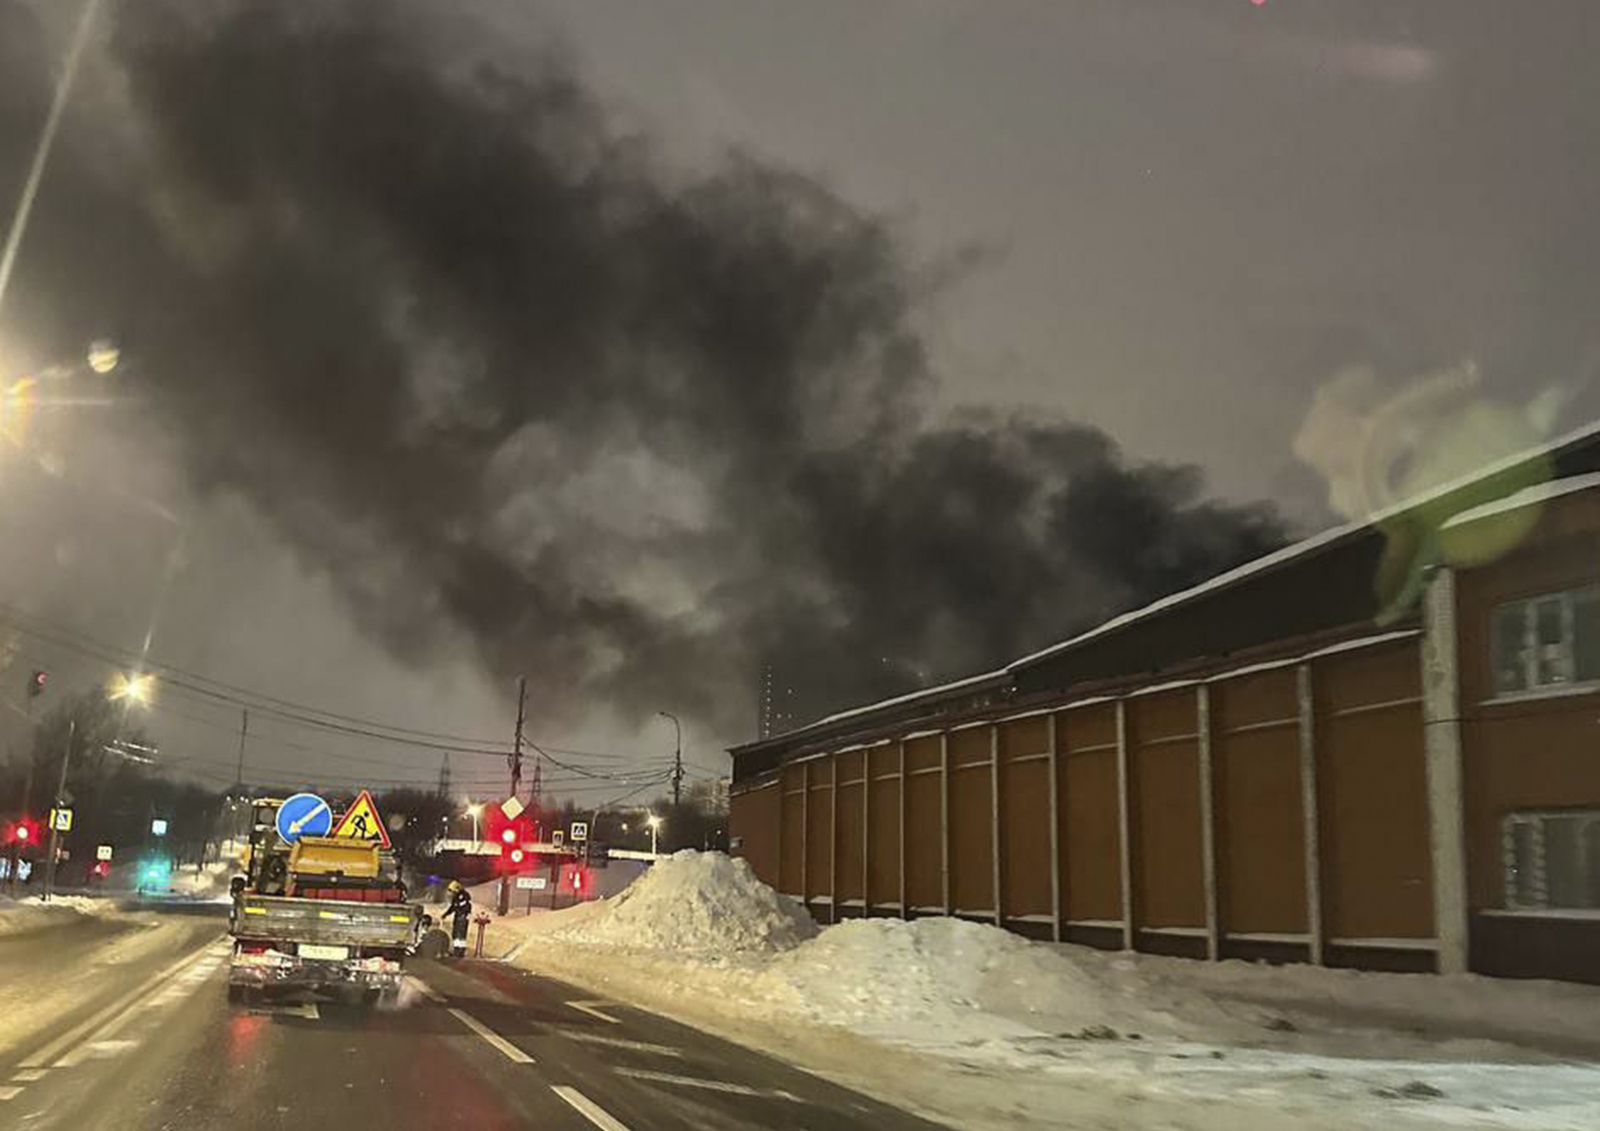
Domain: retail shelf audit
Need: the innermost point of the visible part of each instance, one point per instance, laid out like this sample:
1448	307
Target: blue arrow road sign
304	814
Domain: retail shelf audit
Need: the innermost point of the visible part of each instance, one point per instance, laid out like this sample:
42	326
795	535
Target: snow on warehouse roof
1527	497
1318	541
1277	559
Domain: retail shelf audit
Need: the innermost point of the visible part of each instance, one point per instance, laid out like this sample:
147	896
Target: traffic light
36	683
23	832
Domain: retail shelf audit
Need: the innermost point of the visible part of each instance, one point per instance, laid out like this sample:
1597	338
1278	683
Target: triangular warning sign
361	822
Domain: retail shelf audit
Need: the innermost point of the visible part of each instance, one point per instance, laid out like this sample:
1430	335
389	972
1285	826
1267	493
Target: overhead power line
195	684
25	622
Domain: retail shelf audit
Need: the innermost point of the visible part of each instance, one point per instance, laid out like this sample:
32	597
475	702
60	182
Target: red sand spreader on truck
325	913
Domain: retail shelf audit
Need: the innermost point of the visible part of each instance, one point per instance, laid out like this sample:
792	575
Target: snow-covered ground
21	916
210	882
982	1028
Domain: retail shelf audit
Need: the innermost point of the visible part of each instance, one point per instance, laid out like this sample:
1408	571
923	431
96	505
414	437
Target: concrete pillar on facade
1441	736
1125	826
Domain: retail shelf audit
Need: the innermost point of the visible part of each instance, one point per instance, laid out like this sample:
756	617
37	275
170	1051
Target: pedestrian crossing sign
361	822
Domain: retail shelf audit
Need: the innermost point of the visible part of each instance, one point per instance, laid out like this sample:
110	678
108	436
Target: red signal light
24	833
516	855
508	835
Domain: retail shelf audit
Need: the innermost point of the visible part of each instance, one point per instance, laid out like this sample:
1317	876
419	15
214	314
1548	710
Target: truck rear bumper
273	968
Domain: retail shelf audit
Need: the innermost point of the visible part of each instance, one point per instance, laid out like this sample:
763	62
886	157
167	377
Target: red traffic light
508	835
22	832
516	855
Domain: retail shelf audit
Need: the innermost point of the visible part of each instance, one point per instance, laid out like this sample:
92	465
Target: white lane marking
621	1043
589	1008
426	990
511	1051
9	1093
587	1108
98	1043
27	1075
305	1010
697	1082
46	1055
99	1050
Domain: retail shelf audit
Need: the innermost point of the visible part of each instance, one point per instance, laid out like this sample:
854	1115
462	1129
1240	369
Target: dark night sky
985	269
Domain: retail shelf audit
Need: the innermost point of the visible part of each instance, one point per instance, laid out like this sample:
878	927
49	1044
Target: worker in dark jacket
459	912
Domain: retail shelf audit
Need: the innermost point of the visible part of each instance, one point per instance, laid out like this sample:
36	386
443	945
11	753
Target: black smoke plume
496	366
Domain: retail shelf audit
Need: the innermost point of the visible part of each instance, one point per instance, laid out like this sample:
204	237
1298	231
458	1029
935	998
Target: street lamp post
474	811
137	688
655	826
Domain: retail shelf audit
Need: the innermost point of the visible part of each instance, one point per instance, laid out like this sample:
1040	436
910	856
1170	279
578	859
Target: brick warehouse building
1375	748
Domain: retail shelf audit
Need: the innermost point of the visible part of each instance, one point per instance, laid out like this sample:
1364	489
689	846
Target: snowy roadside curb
30	915
1067	1028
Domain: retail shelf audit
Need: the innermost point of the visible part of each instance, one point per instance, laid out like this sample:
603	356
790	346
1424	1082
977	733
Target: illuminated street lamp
655	827
475	811
103	356
138	688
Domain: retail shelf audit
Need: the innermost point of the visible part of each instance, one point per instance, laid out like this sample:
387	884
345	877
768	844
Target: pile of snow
1071	1028
702	904
874	975
209	883
884	976
21	916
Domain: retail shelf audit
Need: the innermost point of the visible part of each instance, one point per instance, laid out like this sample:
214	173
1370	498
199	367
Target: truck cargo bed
325	922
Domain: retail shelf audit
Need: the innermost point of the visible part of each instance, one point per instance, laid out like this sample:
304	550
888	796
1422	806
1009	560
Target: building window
1553	861
1546	641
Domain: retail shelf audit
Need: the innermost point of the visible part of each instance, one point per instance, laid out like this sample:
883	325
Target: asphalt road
473	1045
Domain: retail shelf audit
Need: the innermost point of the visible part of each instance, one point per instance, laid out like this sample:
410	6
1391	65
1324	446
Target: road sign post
530	884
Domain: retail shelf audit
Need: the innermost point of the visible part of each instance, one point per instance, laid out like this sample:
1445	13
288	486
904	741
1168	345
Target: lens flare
18	403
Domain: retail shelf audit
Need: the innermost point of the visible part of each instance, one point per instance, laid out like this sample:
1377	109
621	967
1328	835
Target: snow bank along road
67	967
991	1032
473	1046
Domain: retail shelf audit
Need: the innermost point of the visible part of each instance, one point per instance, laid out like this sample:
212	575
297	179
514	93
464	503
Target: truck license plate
324	953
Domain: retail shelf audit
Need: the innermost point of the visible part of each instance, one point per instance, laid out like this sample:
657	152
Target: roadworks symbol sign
361	822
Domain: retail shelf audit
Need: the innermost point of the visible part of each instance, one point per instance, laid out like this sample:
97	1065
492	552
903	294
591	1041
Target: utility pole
516	742
677	758
34	689
516	779
244	731
61	800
